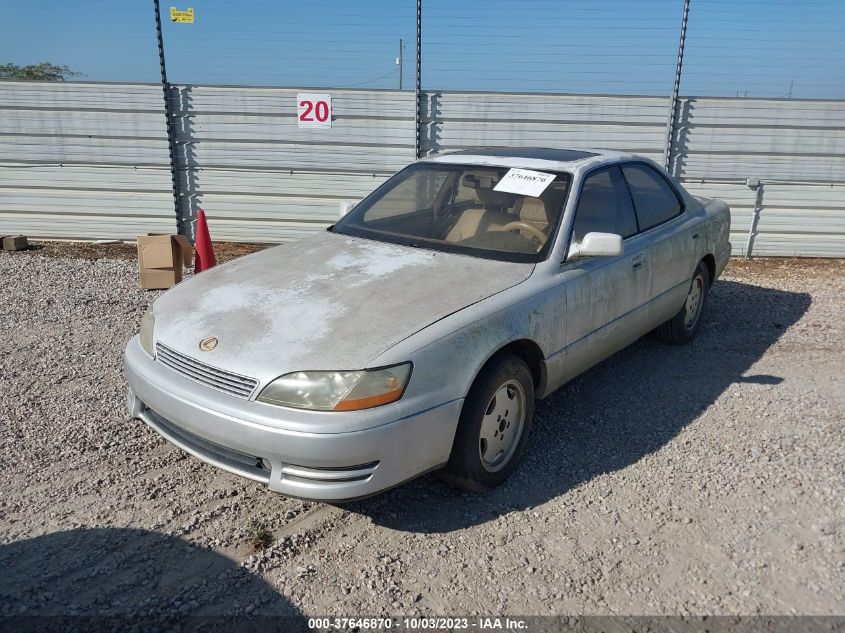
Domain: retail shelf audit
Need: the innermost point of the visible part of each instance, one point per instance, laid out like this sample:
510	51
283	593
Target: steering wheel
519	225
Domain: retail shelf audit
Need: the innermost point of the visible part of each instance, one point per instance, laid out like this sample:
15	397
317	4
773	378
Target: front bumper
233	434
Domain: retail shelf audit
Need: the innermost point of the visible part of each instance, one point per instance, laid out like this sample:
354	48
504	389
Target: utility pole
399	61
418	83
673	105
168	115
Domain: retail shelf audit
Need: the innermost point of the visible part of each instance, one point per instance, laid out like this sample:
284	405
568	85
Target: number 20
320	110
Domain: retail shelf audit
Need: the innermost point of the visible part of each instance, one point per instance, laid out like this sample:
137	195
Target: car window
654	200
409	196
458	208
604	206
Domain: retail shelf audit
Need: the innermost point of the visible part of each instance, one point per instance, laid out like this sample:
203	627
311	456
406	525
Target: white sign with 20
314	110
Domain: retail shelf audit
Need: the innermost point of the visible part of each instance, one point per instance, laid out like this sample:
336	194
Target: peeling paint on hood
328	302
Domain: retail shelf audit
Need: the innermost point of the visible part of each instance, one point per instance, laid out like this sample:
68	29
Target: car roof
529	157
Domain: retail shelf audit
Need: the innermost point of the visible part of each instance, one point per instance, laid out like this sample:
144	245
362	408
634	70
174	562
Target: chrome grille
188	367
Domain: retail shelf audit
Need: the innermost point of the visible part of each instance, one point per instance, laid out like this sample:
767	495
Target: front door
604	295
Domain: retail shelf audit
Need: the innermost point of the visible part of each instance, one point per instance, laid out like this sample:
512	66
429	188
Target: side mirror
596	245
346	206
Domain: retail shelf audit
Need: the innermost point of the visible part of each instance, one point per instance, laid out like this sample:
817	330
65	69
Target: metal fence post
168	116
754	184
418	87
673	105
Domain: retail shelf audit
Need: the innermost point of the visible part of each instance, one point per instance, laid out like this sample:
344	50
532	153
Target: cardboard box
161	258
15	243
158	278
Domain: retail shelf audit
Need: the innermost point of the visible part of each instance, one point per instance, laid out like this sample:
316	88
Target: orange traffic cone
204	258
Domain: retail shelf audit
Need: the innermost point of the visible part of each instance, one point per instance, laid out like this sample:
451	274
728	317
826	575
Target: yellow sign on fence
186	16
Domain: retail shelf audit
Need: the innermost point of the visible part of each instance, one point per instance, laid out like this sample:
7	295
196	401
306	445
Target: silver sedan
417	333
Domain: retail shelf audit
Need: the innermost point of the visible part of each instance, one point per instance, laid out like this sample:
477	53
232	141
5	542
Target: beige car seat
487	216
532	211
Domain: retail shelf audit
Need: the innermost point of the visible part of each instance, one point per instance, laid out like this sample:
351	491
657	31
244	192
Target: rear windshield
492	212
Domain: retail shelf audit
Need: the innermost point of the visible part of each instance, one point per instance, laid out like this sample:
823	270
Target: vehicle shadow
612	416
122	579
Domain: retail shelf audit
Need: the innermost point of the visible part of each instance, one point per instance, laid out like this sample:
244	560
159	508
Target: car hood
327	302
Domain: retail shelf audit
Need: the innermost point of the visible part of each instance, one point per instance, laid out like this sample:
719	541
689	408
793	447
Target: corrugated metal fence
795	148
83	161
91	161
244	159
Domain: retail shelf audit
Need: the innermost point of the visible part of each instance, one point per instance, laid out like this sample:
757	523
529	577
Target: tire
491	434
683	326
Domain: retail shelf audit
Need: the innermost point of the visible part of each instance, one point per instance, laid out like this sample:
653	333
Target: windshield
493	212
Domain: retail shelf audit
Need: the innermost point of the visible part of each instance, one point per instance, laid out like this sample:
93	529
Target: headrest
534	211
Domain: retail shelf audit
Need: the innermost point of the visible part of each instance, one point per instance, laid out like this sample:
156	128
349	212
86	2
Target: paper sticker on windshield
524	182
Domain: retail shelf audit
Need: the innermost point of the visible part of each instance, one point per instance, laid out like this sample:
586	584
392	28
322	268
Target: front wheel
682	327
494	426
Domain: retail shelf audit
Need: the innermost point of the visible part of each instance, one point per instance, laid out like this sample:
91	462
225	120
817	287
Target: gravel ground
704	479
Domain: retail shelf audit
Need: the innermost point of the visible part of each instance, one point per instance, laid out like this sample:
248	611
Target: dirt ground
702	479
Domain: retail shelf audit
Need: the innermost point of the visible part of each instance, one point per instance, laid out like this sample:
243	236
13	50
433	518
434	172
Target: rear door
604	294
671	234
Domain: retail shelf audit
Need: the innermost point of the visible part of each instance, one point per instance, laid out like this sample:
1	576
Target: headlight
146	334
338	390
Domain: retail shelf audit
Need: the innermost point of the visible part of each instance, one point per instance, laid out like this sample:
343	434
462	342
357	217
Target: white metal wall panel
723	166
296	156
775	139
459	120
802	221
569	135
796	148
317	185
318	211
260	177
82	124
58	149
244	100
77	96
87	177
359	132
84	161
248	229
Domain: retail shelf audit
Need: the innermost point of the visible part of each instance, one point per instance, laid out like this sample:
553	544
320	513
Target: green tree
37	72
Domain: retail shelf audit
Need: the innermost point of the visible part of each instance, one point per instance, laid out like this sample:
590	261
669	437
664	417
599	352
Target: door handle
695	236
637	262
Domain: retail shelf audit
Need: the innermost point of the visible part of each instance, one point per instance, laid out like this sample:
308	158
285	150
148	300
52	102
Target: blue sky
734	47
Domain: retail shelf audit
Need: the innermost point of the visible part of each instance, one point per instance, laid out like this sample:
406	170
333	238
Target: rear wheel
494	426
683	326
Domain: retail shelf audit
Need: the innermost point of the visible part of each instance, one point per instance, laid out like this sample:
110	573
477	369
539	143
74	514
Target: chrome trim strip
326	475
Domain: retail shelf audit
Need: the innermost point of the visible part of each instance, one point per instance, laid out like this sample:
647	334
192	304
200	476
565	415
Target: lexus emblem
208	343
